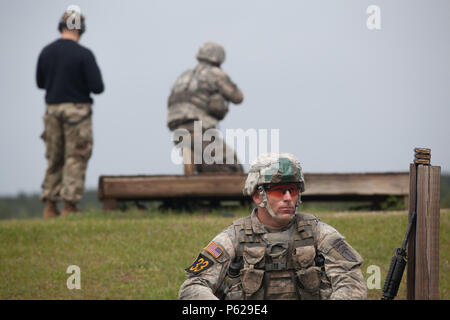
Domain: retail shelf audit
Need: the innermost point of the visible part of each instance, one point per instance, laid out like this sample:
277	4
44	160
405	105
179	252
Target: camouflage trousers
68	140
214	167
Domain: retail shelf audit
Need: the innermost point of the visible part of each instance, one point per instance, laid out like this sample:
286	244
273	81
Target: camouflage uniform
203	94
68	140
306	259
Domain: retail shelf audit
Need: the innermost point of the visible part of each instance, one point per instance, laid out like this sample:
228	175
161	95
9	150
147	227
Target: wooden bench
319	187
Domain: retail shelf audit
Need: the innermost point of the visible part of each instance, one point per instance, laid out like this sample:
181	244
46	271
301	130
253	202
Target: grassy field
142	255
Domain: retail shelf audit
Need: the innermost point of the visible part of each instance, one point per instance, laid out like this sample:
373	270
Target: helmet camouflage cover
274	168
212	52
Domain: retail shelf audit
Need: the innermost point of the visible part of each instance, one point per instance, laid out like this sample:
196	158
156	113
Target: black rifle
397	266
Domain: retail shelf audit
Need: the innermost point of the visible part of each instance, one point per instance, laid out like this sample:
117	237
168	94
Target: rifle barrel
408	230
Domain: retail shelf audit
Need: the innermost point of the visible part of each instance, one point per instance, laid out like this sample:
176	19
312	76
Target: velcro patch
343	248
200	264
214	249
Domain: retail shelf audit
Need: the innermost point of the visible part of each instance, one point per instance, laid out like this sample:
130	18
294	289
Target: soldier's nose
287	195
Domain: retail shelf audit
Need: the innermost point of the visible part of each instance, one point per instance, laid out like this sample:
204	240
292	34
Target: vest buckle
276	266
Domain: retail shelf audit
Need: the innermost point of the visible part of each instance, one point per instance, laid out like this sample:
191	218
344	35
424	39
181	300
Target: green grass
142	255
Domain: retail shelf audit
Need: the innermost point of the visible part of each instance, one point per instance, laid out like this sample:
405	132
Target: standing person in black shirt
69	73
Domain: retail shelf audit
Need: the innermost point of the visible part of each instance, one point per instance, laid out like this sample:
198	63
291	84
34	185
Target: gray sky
345	98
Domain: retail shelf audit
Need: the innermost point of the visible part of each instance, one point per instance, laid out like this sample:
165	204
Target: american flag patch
214	249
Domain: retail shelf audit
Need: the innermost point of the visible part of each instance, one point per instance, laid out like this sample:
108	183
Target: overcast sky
345	98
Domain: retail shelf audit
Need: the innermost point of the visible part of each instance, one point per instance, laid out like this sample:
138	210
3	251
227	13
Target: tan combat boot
50	210
69	208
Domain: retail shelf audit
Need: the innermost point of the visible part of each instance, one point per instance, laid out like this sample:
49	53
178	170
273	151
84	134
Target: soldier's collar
257	226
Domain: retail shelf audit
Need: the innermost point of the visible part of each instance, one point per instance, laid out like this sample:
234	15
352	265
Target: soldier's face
281	198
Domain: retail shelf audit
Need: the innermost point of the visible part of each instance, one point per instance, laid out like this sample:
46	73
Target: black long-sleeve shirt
68	72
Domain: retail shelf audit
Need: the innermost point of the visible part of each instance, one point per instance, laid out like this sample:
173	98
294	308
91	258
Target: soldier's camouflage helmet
274	168
212	52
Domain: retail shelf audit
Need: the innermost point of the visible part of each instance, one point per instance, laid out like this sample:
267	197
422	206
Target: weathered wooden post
422	282
188	161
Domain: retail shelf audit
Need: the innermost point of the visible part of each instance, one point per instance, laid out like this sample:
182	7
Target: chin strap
265	204
299	201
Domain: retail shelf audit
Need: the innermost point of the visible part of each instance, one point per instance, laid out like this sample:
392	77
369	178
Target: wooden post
427	233
433	231
188	162
423	248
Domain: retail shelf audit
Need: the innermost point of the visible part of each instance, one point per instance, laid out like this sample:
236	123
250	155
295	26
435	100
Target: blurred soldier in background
69	73
276	252
203	94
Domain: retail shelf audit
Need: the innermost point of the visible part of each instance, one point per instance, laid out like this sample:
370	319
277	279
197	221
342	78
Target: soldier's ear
257	198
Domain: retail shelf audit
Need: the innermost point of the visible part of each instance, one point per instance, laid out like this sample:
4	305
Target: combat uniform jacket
306	260
202	93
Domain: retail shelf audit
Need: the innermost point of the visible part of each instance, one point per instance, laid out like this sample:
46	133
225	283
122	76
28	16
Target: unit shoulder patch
343	248
200	264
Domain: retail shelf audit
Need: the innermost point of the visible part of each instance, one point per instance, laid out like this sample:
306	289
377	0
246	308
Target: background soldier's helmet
274	168
211	52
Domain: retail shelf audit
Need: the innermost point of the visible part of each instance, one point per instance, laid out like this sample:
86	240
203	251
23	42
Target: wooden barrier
423	247
319	186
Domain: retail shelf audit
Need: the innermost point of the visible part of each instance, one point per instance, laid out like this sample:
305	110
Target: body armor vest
281	265
190	90
200	93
